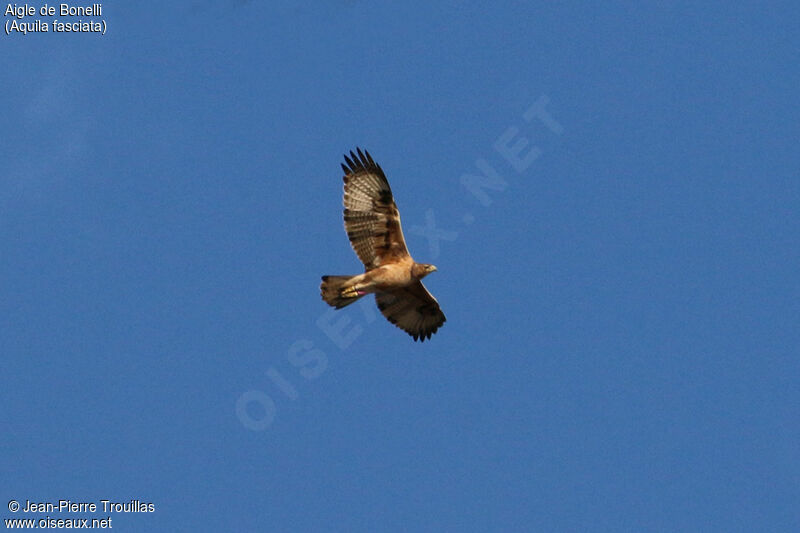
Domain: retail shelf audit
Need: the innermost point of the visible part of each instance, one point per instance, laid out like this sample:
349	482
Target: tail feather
336	292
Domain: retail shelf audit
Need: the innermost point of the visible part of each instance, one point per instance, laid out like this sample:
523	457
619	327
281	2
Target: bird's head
420	270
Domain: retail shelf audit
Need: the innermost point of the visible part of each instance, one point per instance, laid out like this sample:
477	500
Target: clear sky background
621	349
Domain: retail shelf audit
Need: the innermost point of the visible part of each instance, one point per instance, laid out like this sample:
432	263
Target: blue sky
622	337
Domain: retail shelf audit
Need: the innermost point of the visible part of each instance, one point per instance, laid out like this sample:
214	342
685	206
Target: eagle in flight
372	222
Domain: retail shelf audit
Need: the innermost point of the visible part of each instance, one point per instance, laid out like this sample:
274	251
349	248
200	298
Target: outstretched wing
412	309
371	218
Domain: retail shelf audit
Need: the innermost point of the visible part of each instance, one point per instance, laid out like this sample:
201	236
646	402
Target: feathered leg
340	291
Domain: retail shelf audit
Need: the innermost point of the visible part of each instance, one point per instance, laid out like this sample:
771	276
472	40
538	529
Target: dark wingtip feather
359	160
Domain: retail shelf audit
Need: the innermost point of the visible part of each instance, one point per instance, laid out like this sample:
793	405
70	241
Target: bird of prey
372	223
